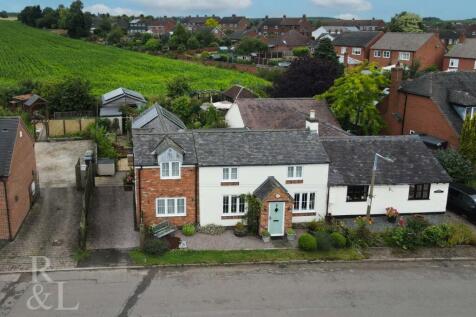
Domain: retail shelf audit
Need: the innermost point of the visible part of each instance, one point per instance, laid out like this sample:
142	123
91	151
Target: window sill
170	178
303	214
417	199
232	217
224	183
294	181
169	216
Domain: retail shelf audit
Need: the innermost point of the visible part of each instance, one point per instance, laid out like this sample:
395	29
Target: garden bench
163	229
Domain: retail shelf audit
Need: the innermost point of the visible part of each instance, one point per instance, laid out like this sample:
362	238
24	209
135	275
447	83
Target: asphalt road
357	289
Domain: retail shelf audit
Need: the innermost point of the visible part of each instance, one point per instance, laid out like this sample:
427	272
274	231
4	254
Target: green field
28	53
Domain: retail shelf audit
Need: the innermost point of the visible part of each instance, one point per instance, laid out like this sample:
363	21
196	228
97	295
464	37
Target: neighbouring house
284	44
234	23
281	113
137	26
361	25
353	48
239	35
161	26
414	182
236	92
461	56
113	101
408	49
158	119
434	105
331	32
33	104
200	176
197	22
450	37
273	27
18	175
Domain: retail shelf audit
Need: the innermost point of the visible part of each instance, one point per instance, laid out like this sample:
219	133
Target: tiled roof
267	187
373	22
8	134
352	158
159	119
239	92
122	92
291	38
402	41
355	39
464	50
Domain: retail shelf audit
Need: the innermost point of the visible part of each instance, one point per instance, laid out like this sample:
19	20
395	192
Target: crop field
29	53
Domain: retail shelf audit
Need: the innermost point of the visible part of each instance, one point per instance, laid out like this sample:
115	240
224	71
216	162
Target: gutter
8	209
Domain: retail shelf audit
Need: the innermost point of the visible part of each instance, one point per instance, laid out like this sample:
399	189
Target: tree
29	15
77	23
182	107
114	37
193	43
306	77
105	25
251	45
467	146
70	94
301	51
353	99
456	165
152	44
211	23
205	37
177	87
3	14
49	19
325	50
180	37
406	22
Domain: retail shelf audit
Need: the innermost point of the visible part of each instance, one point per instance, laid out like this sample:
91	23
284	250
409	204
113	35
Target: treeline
73	19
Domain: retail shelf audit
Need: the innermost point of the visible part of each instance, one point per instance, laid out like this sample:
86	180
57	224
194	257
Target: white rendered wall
233	117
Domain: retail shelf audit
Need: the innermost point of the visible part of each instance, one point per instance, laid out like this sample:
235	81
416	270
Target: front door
276	219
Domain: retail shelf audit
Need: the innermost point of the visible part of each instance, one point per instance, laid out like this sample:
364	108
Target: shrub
155	247
307	242
338	240
417	224
460	234
436	236
361	235
323	241
290	231
265	233
188	230
403	238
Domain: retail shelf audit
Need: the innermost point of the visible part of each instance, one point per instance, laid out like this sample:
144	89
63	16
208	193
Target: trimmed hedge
307	242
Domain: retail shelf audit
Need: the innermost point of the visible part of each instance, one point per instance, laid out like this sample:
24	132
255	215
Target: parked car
462	199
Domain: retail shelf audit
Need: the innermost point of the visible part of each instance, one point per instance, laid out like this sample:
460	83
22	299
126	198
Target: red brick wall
22	173
288	209
464	63
152	187
4	233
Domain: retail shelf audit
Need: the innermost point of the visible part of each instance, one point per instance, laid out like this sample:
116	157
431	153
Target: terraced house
200	176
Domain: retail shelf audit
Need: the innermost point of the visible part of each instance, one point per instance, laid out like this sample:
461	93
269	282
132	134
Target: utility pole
372	183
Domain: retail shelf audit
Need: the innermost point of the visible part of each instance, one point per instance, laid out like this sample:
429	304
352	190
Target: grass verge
178	257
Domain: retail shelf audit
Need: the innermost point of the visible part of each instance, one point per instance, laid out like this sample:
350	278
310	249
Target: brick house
434	105
408	48
353	48
161	26
274	27
234	23
200	176
283	45
362	25
18	175
462	56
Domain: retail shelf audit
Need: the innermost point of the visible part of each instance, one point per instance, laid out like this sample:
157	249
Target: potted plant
128	181
392	214
240	230
265	236
291	234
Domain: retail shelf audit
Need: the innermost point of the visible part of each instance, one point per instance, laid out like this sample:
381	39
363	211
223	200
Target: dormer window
170	159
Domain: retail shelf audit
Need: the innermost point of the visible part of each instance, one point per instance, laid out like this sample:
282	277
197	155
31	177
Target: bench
163	229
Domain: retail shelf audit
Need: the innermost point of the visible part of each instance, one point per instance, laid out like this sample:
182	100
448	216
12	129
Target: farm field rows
29	53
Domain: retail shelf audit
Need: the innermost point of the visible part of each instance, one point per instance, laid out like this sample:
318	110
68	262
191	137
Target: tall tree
30	15
77	23
306	77
70	94
456	165
353	99
251	45
406	22
467	146
211	23
325	50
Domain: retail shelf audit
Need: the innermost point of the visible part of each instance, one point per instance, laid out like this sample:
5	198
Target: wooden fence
64	127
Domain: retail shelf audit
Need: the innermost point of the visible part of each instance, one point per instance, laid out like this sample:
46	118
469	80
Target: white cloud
347	16
190	5
358	5
102	8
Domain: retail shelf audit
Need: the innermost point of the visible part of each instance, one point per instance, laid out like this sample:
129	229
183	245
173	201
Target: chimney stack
284	16
462	38
311	122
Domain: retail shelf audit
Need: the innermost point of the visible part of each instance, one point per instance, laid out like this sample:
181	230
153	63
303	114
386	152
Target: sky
384	9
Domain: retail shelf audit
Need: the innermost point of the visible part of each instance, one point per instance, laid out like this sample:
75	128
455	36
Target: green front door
276	219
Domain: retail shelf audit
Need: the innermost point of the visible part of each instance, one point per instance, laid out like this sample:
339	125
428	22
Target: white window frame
387	54
377	53
229	199
166	207
343	50
293	174
402	56
300	196
475	64
170	169
454	63
229	171
356	50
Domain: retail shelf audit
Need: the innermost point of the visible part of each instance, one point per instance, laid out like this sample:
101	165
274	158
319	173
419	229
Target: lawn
178	257
29	53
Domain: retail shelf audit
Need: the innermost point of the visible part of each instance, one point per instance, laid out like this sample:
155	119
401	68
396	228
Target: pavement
326	289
